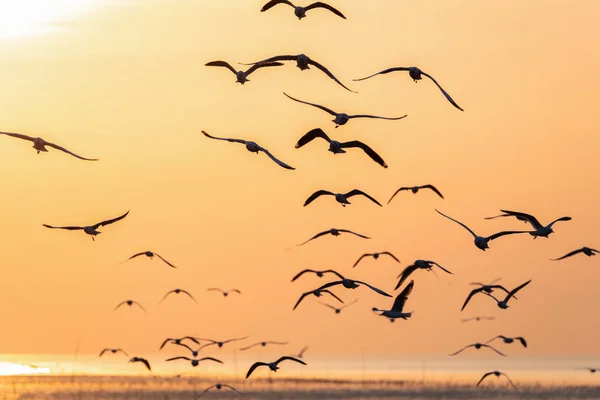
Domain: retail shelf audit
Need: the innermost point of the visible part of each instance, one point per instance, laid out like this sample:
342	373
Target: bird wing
333	295
405	274
140	306
70	228
356	192
381	292
221	64
559	219
257	66
483	377
311	135
329	74
385	71
368	151
119	305
235	339
207	389
565	256
328	305
122	351
272	157
473	293
232	388
458	222
402	297
320	4
136	255
494	338
391	255
300	299
522	340
509	380
273	59
443	91
273	3
432	188
334	272
227	139
291	359
193	339
166	295
235	291
490	347
375	116
318	235
524	217
18	135
168	263
164	343
299	274
254	366
317	194
354	233
178	358
206	345
312	104
103	351
360	258
249	347
396	192
327	285
110	221
145	362
210	359
440	267
515	290
57	147
349	304
212	289
500	287
461	350
272	342
189	295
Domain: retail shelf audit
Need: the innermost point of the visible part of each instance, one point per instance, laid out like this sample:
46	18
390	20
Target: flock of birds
193	345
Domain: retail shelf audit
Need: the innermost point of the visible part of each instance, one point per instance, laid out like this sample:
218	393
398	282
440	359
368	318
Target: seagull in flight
40	145
375	256
341	198
342	118
352	284
130	303
478	346
225	293
540	230
253	148
241	76
302	62
415	189
477	319
221	344
338	310
273	365
141	360
299	11
592	370
398	306
338	147
480	241
177	291
489	288
588	251
418	264
333	232
301	354
263	344
91	230
416	74
503	304
194	361
320	274
509	340
113	351
219	386
316	293
497	374
178	341
150	255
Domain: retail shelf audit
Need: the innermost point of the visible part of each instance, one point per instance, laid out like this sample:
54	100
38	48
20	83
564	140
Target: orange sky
128	85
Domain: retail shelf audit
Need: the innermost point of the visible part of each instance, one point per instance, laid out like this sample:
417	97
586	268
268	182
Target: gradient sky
127	84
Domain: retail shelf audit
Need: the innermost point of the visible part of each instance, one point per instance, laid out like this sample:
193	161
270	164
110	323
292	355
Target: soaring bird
299	11
221	343
177	291
241	76
113	351
302	62
225	293
342	118
302	351
263	344
509	340
398	306
178	341
194	361
316	293
375	256
416	74
478	346
253	148
40	145
336	309
592	370
418	264
338	147
588	251
141	360
497	374
480	241
482	289
540	230
333	232
415	189
320	274
352	284
477	319
130	303
341	198
273	365
219	386
150	255
503	304
91	230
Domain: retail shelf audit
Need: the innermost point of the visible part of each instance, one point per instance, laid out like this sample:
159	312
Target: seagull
219	386
375	256
352	284
342	118
497	374
253	148
415	189
341	198
301	354
300	12
338	147
418	264
338	310
416	74
477	319
509	340
483	289
588	251
263	344
220	344
178	341
40	145
194	361
540	230
150	254
113	351
317	293
90	229
398	306
142	360
478	346
241	76
225	293
273	365
334	232
320	274
302	62
177	291
592	370
129	303
503	303
480	241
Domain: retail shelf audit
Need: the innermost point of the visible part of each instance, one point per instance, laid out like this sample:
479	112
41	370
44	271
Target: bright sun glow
7	368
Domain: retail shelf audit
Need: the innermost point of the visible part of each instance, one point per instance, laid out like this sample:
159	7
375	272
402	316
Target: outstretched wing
136	255
368	151
402	297
273	3
333	295
356	192
272	157
299	274
499	234
565	256
254	366
515	290
318	235
333	272
461	350
70	228
232	388
329	74
391	255
509	380
483	377
249	347
111	221
316	194
373	288
458	222
328	305
227	139
213	289
291	359
405	274
440	267
396	192
57	147
257	66
360	258
473	293
207	389
210	359
354	233
311	135
319	4
178	358
446	95
189	295
221	64
432	188
273	59
522	217
327	110
18	135
558	220
385	71
522	340
492	348
140	306
376	116
168	263
103	351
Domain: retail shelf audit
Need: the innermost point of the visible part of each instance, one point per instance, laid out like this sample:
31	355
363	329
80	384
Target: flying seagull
150	255
225	293
509	340
338	147
130	303
263	344
540	230
375	256
416	74
398	306
40	145
221	343
415	189
592	370
302	62
241	76
301	354
342	118
273	365
588	251
418	264
219	386
194	361
482	289
320	274
178	341
333	232
497	374
253	148
477	319
316	293
177	291
341	198
478	346
336	309
480	241
352	284
299	11
113	351
141	360
91	230
503	303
